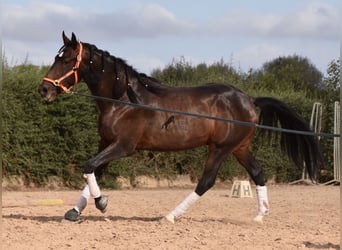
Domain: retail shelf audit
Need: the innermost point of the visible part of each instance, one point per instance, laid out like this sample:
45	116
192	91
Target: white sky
149	34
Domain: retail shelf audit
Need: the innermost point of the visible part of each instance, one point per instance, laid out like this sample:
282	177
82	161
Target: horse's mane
150	83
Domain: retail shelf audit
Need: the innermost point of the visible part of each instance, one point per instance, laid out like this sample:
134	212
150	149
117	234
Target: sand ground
301	217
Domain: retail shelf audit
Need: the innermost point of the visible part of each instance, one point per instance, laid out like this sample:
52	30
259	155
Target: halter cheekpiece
73	71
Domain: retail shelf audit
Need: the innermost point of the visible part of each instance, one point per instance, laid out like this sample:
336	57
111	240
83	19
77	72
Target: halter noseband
58	82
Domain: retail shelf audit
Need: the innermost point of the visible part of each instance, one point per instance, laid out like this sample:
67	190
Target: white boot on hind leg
263	204
182	207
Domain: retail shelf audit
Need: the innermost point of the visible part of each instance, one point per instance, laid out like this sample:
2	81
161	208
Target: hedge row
40	140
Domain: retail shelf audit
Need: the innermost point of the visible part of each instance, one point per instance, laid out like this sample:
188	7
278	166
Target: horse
126	129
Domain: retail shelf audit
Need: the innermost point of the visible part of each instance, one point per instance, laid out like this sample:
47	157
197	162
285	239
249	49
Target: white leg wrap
263	204
93	187
83	200
182	207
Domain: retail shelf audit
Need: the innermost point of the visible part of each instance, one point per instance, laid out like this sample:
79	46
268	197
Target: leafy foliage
40	140
291	73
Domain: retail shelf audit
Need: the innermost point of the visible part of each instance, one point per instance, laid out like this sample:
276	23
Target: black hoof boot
72	215
101	203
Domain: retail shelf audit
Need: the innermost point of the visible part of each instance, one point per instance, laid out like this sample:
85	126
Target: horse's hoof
171	218
258	218
163	220
72	215
101	203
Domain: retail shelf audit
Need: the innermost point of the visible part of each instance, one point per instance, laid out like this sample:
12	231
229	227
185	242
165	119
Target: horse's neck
109	89
112	78
106	78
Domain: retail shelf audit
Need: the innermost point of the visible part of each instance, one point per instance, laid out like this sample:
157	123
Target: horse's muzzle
47	92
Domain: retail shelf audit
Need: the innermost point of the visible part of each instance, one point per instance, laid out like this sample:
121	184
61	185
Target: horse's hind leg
254	169
215	158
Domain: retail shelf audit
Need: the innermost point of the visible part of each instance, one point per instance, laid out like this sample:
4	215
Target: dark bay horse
125	129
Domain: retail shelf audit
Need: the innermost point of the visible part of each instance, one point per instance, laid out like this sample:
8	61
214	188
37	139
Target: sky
151	34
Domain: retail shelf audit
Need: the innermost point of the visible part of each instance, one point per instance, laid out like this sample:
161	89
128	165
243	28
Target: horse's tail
303	150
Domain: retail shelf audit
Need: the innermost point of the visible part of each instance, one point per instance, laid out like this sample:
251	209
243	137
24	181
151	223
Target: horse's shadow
121	218
110	218
42	218
329	245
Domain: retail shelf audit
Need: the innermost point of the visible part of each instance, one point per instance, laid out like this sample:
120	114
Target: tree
332	81
291	72
331	95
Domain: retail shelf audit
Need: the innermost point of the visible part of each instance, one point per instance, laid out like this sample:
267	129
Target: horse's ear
66	40
73	41
73	38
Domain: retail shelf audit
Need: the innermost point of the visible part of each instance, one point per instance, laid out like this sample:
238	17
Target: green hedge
40	140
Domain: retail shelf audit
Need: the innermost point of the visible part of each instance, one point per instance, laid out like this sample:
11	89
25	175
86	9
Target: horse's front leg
93	170
73	214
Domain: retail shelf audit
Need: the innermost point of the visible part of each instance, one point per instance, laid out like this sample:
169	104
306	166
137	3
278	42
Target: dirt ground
302	217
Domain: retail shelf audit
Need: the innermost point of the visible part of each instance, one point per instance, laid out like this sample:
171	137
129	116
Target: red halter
58	82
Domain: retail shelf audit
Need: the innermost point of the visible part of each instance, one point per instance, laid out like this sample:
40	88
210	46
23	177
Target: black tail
303	150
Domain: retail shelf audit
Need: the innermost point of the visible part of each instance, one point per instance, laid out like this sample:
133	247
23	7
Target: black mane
151	84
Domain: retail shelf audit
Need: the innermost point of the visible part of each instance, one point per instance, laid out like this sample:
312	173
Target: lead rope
243	123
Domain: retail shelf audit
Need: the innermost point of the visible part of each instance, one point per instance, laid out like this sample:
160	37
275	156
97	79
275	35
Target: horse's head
64	72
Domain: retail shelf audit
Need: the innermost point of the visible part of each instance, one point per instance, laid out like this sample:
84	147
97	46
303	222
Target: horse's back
216	99
202	89
183	131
